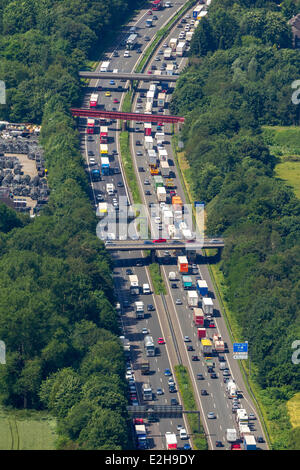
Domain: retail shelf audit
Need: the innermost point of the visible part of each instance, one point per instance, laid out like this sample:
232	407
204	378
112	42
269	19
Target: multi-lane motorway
178	322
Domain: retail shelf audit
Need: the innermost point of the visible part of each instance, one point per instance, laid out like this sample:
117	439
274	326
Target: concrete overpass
155	118
129	76
138	245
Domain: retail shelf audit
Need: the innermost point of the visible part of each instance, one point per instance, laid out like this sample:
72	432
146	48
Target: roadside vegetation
157	280
57	315
189	403
234	93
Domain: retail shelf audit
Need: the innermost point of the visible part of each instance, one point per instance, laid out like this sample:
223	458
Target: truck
126	346
147	392
168	217
148	107
171	441
141	436
218	343
105	166
206	346
152	156
161	99
131	41
150	96
162	155
182	264
172	276
202	287
164	169
104	66
249	442
173	43
170	184
158	181
170	69
148	142
145	366
244	430
231	435
90	126
167	53
198	317
231	389
207	305
192	298
103	149
149	346
96	175
110	189
146	289
103	134
94	100
134	284
189	35
139	309
161	194
187	282
147	128
172	231
102	209
201	333
177	203
242	417
180	48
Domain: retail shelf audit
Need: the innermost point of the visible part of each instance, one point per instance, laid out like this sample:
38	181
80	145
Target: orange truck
177	203
182	264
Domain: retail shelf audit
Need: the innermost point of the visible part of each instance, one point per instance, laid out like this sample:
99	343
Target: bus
147	392
103	149
90	126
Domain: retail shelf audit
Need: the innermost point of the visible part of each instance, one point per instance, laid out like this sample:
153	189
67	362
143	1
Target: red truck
198	317
201	333
103	135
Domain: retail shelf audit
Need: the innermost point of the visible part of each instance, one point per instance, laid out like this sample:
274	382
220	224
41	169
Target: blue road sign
195	14
240	347
198	203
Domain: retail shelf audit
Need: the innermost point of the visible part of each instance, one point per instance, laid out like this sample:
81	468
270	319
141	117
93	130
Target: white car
126	54
183	434
129	375
157	220
92	161
144	331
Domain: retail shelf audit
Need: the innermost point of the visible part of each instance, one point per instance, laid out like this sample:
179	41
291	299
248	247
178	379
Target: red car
211	325
149	72
160	240
160	341
172	193
138	421
149	12
116	101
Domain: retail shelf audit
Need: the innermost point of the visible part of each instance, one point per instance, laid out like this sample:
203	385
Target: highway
181	316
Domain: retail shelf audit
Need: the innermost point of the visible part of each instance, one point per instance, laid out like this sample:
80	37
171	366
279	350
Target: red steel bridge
155	118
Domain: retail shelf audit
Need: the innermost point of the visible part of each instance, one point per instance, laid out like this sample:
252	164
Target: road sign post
240	350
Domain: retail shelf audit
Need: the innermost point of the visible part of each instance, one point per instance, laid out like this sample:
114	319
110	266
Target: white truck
104	66
173	43
180	48
171	441
110	189
207	305
167	53
139	309
231	435
134	284
231	389
148	142
192	297
146	289
161	194
172	276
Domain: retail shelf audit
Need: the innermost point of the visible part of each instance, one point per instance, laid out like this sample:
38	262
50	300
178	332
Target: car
211	324
167	372
204	392
251	416
147	242
129	272
160	341
99	198
174	402
147	38
179	426
187	447
146	182
126	54
107	93
138	142
221	359
260	439
178	302
120	184
116	101
149	72
195	358
235	406
200	377
183	434
139	153
162	67
226	373
144	331
139	51
129	374
226	379
112	82
173	285
210	370
147	193
115	54
165	45
135	403
176	242
160	110
90	153
141	169
149	12
172	388
160	240
138	421
171	381
211	415
189	348
159	391
155	17
219	444
186	339
157	59
92	161
150	308
213	375
90	138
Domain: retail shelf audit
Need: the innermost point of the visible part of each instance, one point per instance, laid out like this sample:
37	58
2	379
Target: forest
57	315
241	67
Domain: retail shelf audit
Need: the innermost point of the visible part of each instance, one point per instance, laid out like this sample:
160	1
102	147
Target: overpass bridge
154	118
129	76
138	245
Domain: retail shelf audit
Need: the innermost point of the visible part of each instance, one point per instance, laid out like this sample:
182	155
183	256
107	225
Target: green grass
128	167
189	404
284	143
127	102
157	280
26	430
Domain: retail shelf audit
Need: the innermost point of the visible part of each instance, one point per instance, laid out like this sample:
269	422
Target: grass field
24	430
293	406
284	143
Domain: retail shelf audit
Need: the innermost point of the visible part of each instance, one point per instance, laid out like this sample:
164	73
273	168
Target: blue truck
96	175
202	287
105	165
187	282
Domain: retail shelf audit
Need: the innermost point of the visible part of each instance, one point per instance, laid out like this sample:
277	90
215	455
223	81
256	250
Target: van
110	189
183	434
223	365
146	289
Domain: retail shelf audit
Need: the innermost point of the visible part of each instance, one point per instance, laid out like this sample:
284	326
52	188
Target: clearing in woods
26	430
